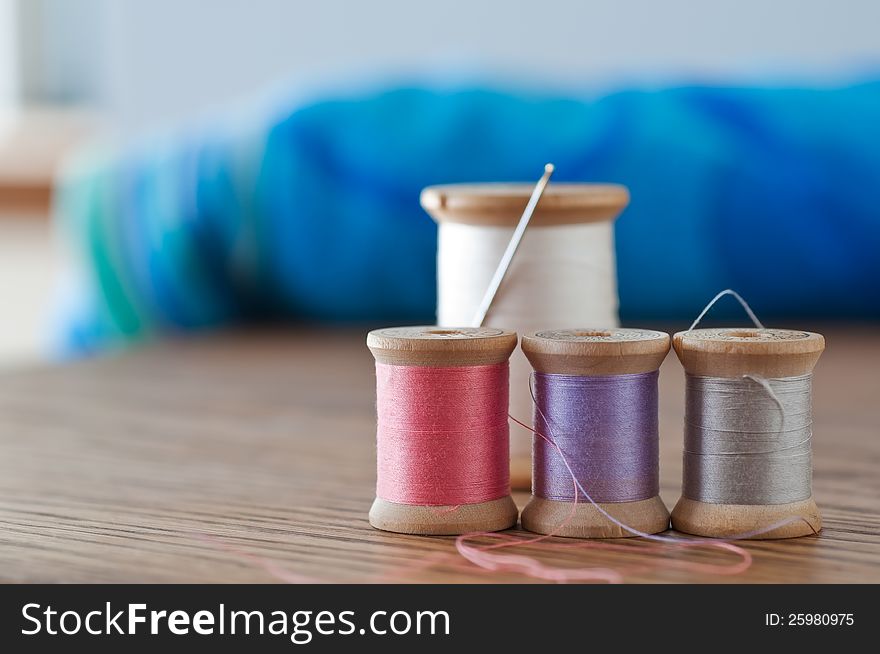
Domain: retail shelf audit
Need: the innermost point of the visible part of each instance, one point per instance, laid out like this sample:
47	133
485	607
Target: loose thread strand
485	557
727	291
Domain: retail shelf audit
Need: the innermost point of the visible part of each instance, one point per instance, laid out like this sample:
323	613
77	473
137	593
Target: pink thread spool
442	464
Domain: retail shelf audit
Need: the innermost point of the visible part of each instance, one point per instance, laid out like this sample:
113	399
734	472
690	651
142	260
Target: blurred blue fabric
312	211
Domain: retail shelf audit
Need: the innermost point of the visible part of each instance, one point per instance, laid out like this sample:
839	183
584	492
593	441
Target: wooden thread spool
595	353
440	347
734	353
486	214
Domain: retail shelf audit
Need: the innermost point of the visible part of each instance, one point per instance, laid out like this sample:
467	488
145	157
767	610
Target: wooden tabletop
250	458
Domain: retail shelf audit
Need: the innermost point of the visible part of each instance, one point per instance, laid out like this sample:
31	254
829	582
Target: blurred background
76	73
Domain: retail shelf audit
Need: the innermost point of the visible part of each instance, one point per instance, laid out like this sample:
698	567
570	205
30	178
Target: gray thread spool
748	441
747	462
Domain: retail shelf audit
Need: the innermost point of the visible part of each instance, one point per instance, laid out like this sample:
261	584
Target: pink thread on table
442	436
273	569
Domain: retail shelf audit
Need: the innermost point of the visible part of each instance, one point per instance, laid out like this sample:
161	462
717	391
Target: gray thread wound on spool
748	440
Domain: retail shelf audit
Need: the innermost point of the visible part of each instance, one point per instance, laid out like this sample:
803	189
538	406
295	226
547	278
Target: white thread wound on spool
562	275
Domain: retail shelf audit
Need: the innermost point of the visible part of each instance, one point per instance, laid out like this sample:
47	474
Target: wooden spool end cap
494	515
432	346
589	352
733	352
502	204
544	516
732	520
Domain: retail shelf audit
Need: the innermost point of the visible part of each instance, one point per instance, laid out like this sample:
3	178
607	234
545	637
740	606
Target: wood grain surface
250	458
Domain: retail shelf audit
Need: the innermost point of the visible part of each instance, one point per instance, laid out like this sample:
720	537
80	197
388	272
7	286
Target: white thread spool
563	273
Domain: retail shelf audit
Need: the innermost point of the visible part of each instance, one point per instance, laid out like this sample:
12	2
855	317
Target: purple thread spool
596	398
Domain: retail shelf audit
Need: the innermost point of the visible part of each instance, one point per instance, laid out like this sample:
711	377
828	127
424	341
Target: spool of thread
564	271
596	399
748	431
442	434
